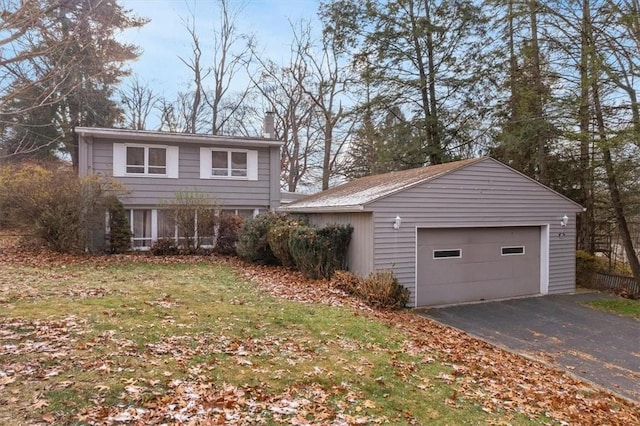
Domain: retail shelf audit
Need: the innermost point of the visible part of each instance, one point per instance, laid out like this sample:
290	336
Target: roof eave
322	209
154	136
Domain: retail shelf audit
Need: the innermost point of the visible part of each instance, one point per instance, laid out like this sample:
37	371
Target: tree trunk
541	137
294	169
586	237
326	160
513	68
423	80
435	154
616	200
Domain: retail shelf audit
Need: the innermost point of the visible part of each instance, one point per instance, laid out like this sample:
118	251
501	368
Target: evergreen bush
119	230
319	252
228	230
252	244
278	239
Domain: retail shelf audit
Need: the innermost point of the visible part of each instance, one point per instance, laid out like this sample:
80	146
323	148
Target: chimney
269	125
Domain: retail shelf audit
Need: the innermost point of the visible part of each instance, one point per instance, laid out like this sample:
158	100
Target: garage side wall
360	254
483	194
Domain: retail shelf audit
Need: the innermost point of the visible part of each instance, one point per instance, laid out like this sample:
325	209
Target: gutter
327	209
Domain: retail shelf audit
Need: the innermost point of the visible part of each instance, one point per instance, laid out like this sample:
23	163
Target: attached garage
466	231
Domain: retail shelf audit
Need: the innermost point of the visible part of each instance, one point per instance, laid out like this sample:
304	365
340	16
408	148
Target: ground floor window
243	213
188	228
141	228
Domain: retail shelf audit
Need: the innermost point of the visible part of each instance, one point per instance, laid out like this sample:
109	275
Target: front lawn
137	340
620	306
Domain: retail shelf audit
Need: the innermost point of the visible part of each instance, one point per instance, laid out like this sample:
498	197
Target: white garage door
456	265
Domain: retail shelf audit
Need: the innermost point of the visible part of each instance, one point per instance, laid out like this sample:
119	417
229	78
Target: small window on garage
447	254
512	250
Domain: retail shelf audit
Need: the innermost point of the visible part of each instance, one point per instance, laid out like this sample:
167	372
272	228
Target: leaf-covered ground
187	340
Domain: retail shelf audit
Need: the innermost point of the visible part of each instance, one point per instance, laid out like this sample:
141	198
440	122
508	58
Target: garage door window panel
447	254
512	251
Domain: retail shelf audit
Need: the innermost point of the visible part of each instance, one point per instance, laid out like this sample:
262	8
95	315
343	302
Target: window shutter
252	165
119	159
205	163
173	162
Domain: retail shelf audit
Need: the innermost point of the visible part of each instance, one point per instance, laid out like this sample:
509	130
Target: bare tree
178	116
293	110
210	104
138	101
325	83
198	75
231	52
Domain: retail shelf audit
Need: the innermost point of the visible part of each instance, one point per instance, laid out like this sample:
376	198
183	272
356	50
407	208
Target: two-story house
242	175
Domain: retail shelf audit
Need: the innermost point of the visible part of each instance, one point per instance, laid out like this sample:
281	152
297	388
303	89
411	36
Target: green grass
123	335
620	306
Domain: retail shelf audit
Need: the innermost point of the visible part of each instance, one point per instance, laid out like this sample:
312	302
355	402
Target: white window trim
512	254
447	257
206	168
154	230
120	160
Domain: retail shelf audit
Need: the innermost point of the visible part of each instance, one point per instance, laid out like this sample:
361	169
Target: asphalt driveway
601	347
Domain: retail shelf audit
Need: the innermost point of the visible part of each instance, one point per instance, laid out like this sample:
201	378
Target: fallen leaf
49	418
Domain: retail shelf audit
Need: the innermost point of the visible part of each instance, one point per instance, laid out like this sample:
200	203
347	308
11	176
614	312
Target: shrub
586	269
119	230
381	289
319	252
278	238
54	204
304	250
164	247
194	214
228	230
252	243
335	239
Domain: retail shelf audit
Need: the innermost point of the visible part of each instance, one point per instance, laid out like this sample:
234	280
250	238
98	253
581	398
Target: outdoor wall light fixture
563	223
397	222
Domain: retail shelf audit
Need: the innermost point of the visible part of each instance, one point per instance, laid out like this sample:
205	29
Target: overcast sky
164	38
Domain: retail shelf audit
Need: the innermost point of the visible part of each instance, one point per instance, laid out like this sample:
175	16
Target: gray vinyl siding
149	191
360	254
483	194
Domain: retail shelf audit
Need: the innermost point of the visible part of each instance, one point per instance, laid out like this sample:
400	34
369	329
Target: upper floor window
145	160
216	163
229	163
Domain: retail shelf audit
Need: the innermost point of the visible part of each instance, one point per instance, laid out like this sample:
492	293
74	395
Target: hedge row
273	238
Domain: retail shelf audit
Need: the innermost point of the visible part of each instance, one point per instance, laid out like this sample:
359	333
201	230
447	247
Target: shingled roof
354	195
